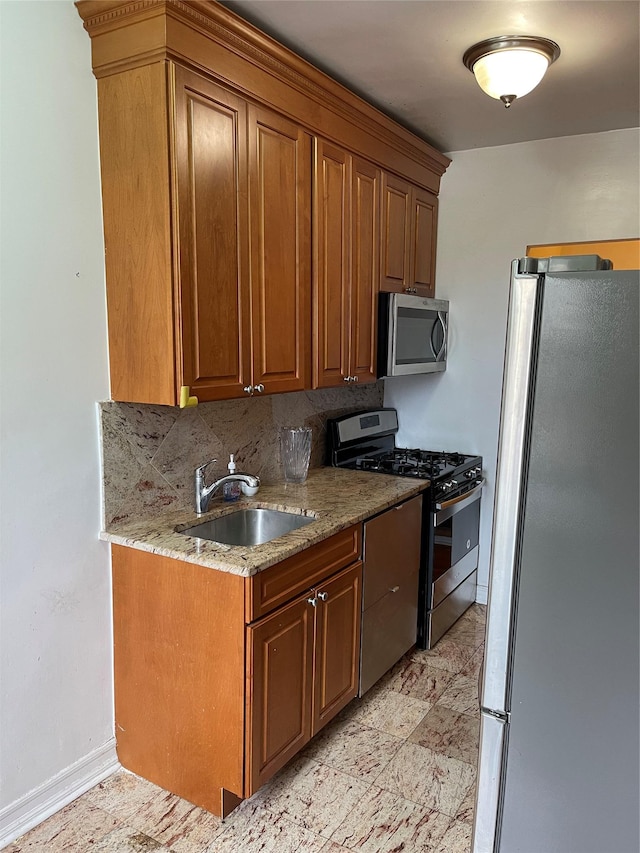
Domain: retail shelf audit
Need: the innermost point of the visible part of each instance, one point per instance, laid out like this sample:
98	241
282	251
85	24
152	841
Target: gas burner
437	466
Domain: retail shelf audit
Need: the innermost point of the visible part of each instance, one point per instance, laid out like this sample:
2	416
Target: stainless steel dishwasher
390	589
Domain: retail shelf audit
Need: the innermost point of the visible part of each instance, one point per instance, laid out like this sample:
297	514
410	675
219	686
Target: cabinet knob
259	388
394	589
313	601
346	379
323	596
248	389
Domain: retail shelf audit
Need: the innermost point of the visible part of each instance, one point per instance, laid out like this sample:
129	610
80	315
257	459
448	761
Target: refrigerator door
571	774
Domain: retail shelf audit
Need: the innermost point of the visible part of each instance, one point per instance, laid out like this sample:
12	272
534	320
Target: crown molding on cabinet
211	39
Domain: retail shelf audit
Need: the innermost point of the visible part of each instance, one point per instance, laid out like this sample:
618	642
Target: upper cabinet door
331	309
280	215
423	242
346	266
409	216
365	268
396	233
211	171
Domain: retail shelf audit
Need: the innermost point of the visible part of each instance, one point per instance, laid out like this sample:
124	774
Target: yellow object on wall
624	254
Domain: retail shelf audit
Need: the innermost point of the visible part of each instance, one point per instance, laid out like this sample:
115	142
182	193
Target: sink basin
248	526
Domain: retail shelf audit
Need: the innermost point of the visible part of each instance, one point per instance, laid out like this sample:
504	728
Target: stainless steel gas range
451	511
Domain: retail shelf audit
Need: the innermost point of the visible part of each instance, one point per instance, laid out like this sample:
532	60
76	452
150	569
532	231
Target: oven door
454	560
412	334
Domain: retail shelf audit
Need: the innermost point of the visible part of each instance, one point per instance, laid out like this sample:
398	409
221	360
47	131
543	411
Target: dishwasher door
391	549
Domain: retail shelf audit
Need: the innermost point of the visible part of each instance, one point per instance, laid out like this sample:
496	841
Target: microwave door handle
433	349
443	348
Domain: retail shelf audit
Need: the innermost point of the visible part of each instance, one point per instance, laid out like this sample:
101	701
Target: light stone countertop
336	497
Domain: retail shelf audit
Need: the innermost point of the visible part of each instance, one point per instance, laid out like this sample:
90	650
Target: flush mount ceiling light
508	67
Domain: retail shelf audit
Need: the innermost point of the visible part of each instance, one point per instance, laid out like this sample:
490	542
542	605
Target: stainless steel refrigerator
559	746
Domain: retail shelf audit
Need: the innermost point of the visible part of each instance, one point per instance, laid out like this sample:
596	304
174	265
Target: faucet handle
200	471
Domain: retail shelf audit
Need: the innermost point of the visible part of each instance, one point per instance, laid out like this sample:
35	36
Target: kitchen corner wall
150	452
56	702
493	203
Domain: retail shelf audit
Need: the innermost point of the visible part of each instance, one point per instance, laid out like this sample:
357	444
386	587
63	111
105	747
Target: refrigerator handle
514	423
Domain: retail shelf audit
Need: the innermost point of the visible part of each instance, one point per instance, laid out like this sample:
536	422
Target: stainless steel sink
248	526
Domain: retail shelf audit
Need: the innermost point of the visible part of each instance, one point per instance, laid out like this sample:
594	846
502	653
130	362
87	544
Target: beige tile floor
395	771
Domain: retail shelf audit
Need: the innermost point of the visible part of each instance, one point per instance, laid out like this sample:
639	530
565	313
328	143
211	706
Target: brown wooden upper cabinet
409	220
346	268
206	128
280	204
211	288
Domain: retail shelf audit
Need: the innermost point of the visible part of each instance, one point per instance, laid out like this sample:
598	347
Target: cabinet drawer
278	584
389	630
391	549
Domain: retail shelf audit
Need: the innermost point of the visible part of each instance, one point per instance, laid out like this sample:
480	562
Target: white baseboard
482	594
40	803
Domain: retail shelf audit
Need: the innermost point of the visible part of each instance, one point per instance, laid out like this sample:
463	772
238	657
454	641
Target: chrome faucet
204	493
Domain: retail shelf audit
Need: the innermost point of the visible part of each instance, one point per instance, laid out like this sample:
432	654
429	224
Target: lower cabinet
220	679
302	669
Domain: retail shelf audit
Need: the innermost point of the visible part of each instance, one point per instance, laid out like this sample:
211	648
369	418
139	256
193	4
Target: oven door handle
466	498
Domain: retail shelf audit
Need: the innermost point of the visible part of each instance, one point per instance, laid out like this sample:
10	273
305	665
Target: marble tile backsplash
149	453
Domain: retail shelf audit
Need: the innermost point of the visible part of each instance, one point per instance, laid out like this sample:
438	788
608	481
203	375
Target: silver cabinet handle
355	378
394	589
313	601
346	379
259	388
248	389
323	596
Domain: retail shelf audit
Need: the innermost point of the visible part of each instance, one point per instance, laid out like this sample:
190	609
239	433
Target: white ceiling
405	56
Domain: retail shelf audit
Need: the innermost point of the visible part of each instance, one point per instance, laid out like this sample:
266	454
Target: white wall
56	719
493	203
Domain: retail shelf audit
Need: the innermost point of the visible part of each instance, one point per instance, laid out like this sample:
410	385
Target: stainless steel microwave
412	334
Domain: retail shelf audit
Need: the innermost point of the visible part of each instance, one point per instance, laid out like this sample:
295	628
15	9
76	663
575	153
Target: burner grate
414	462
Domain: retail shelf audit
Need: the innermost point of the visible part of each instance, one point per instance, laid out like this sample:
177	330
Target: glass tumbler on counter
295	450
